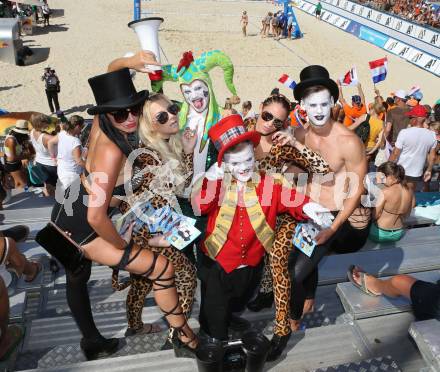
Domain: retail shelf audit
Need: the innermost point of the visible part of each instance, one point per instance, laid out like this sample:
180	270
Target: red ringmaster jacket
242	246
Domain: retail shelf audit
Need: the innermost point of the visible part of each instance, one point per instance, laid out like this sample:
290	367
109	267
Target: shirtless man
339	191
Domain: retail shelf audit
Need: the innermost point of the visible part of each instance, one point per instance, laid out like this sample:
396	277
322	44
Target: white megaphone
147	32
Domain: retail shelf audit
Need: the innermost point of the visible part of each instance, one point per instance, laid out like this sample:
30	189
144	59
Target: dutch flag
379	69
287	81
350	78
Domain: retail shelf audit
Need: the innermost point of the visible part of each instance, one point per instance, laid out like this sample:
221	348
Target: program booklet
303	239
177	229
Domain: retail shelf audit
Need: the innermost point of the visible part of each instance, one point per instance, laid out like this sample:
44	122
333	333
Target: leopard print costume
276	261
185	272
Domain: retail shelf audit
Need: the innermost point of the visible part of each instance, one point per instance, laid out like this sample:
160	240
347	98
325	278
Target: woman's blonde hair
168	150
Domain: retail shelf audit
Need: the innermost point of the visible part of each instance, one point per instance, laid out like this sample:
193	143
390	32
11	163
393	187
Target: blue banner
354	28
374	37
136	9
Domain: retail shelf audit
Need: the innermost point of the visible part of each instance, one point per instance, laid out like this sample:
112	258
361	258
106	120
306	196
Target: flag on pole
379	69
287	81
350	78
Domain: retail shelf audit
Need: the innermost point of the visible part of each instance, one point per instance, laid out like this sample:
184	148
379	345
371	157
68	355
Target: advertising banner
372	36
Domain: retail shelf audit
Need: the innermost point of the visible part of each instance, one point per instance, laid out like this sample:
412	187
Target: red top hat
229	132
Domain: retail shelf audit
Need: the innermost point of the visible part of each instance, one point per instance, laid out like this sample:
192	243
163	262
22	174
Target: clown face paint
240	163
318	107
196	95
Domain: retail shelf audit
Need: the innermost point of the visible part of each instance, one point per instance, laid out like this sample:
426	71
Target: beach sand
85	36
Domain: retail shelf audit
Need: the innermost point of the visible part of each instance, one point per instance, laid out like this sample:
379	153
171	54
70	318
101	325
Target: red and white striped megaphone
147	31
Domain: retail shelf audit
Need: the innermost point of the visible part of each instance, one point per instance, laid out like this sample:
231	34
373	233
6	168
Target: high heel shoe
182	349
96	349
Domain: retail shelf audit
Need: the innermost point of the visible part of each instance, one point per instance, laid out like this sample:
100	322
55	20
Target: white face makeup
318	107
240	163
196	95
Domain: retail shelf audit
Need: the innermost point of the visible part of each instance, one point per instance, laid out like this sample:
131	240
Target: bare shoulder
349	141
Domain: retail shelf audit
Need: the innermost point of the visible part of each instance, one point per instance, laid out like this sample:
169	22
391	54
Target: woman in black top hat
116	120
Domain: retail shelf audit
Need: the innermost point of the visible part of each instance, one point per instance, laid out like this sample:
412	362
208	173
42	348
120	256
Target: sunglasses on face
163	117
122	115
277	123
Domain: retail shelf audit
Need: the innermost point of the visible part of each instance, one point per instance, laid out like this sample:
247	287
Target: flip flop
39	268
17	334
145	330
363	286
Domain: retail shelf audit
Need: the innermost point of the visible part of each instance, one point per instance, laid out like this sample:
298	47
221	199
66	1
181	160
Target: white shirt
42	155
415	144
66	162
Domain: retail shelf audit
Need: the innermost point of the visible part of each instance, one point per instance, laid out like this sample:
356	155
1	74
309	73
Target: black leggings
78	300
304	270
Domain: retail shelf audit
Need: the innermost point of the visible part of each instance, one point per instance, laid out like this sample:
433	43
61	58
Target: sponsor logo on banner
408	28
372	36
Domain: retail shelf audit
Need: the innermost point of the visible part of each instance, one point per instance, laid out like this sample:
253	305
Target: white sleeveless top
42	154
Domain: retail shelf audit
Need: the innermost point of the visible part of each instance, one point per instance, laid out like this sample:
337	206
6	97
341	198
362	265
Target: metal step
360	305
426	334
384	262
412	238
378	364
388	335
163	361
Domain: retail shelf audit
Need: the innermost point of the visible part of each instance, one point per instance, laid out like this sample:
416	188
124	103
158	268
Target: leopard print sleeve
188	167
141	183
305	158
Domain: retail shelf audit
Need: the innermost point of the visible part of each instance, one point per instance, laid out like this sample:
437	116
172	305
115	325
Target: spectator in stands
395	203
396	118
18	151
424	296
45	166
66	148
436	111
358	107
15	261
435	127
377	130
414	99
246	110
415	146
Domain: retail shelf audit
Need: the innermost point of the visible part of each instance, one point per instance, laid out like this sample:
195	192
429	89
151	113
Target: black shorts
13	166
47	173
425	299
318	12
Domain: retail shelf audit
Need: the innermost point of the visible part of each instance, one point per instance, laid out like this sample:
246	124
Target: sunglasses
122	115
277	123
163	117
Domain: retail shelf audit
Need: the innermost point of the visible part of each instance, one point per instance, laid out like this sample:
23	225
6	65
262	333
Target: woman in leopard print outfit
166	166
279	159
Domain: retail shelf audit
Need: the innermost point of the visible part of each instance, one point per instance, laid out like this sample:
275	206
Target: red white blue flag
379	69
287	81
350	78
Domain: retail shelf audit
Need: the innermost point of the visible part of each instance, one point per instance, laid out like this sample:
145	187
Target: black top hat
315	75
114	91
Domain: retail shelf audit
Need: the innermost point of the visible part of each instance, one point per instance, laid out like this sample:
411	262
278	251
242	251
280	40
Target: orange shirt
353	113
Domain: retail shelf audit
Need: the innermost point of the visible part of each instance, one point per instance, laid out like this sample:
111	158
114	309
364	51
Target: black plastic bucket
256	346
209	356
